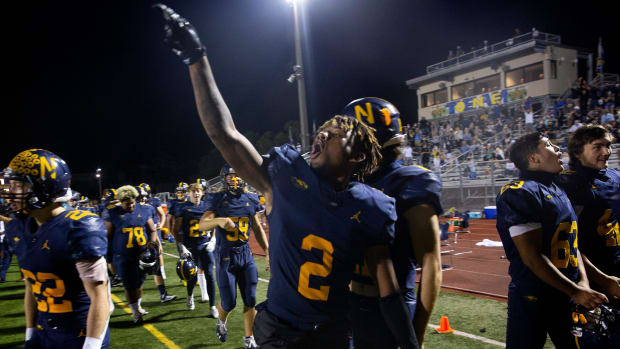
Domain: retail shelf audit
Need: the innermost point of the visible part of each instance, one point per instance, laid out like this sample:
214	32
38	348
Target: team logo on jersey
247	204
356	217
299	184
594	187
139	215
45	246
16	239
82	333
549	197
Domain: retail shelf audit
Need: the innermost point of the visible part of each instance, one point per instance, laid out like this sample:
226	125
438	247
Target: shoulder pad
378	209
418	186
87	238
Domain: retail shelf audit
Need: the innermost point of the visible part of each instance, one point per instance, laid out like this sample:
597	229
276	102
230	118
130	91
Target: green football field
478	323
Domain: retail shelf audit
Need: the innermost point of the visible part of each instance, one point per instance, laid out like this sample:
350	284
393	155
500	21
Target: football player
231	213
320	222
591	186
131	227
197	244
147	198
174	204
61	253
538	228
417	192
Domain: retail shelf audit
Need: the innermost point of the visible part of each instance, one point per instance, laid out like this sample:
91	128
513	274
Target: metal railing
495	48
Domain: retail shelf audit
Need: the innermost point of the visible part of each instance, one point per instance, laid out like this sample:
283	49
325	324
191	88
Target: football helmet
45	178
236	185
181	190
380	115
594	325
148	258
146	187
187	269
109	194
203	183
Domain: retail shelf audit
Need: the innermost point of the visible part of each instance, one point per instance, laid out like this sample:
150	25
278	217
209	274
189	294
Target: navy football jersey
240	209
316	235
173	205
130	234
14	231
47	260
591	192
531	202
155	202
192	236
410	186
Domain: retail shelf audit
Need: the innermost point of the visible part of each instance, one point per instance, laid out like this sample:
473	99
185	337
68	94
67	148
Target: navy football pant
55	333
531	318
270	331
129	271
206	261
235	265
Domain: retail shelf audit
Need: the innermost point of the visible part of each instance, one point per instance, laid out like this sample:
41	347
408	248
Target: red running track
478	270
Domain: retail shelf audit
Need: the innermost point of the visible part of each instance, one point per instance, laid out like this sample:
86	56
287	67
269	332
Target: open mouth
317	148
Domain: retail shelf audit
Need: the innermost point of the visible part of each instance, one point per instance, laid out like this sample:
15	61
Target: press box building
535	65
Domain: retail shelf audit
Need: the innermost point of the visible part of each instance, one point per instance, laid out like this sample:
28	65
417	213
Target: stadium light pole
98	176
298	75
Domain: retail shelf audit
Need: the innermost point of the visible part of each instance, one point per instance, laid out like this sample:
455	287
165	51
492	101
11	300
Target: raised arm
214	113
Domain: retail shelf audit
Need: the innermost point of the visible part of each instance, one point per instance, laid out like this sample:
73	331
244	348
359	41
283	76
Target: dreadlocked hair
364	141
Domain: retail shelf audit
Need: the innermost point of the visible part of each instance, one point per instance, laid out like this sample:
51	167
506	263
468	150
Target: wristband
92	343
29	333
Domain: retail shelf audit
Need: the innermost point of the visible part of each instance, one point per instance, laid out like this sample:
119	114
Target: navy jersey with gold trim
531	202
240	209
316	235
155	202
591	192
410	186
47	259
192	236
130	234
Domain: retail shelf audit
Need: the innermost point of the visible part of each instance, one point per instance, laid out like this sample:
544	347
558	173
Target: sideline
458	333
155	332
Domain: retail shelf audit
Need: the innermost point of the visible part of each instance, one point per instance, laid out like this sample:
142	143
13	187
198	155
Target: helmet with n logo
37	178
186	269
146	187
380	115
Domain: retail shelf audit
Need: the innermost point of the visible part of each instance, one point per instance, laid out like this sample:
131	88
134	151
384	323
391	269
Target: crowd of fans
487	134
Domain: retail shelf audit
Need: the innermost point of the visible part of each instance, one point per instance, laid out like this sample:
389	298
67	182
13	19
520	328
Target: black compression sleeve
397	317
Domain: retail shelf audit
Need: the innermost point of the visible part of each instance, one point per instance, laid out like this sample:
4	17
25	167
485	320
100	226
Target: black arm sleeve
397	318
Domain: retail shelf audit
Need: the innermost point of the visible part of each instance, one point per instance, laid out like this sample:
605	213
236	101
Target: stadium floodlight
98	176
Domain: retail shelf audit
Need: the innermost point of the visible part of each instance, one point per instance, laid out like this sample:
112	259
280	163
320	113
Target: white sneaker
137	318
142	311
204	299
214	312
249	342
190	303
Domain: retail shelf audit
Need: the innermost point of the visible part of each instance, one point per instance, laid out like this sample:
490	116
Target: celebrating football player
231	212
320	222
61	254
133	231
197	244
417	193
538	228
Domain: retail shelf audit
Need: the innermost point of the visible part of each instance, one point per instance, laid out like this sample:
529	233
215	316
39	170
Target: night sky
97	86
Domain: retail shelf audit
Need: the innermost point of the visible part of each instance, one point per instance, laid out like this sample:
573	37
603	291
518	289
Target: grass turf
196	329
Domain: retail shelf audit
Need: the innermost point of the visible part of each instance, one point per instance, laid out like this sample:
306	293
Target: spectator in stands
436	158
465	147
499	153
407	154
607	117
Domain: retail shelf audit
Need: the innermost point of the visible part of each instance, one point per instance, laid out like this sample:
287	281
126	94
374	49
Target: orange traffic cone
444	326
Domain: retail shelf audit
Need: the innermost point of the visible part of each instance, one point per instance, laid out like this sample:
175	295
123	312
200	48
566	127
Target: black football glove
181	36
